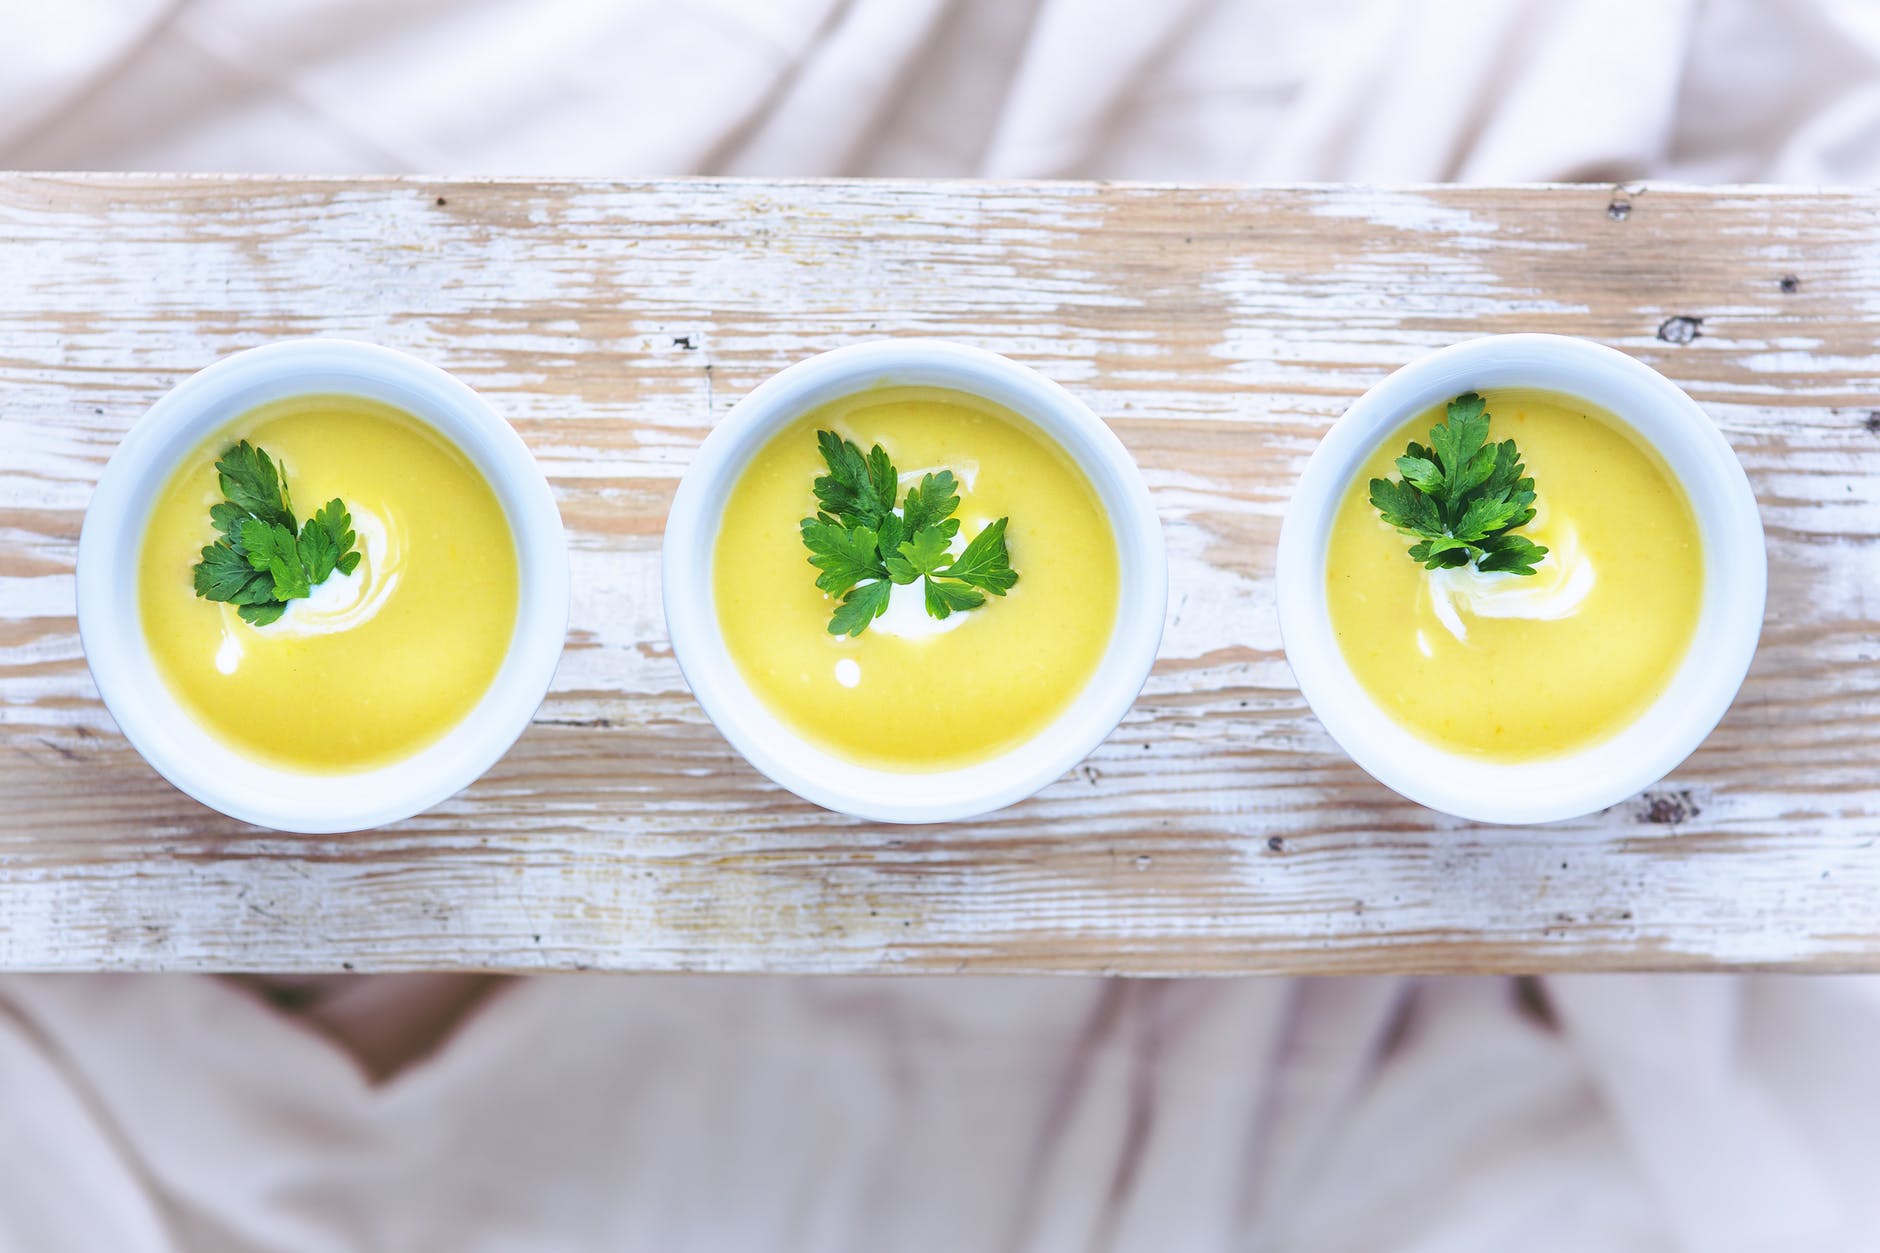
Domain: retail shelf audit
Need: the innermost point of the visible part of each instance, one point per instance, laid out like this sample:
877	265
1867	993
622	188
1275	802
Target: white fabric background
1714	1115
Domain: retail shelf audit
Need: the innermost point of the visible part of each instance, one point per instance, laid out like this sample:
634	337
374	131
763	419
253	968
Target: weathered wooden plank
1220	330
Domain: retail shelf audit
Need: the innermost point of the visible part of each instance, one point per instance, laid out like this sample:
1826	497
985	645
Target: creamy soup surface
1510	667
910	693
375	665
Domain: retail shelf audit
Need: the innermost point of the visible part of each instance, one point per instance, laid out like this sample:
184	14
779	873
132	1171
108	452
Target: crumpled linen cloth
1276	90
158	1112
436	1112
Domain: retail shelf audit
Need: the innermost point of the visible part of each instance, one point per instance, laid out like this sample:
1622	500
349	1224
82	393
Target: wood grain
1220	330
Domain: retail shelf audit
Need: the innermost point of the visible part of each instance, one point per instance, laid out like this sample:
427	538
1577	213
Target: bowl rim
1708	676
148	712
822	777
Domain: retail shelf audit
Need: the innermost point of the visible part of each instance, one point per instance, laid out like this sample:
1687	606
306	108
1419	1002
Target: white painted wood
1220	330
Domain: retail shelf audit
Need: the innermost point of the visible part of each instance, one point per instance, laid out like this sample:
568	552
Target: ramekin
1706	682
911	796
110	624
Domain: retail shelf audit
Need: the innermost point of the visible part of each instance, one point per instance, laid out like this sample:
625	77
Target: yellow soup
374	665
1511	667
904	695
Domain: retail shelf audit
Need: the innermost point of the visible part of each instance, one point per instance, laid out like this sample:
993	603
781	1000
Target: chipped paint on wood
1219	330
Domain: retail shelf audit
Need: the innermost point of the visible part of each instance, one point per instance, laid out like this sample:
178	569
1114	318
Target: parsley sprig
1462	497
863	547
264	558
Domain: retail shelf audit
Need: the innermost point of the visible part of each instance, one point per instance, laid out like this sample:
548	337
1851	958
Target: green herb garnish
264	558
1462	497
863	547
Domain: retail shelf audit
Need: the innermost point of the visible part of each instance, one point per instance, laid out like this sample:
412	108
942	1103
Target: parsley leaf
1461	497
262	614
845	555
228	519
861	606
224	574
249	480
986	564
932	503
326	542
1510	552
264	558
857	489
944	597
922	555
273	548
863	548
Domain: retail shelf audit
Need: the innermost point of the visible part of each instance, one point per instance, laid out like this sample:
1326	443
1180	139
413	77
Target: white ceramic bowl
126	675
1729	623
898	796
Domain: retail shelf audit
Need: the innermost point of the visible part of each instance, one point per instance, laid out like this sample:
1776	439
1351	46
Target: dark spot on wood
683	341
1789	284
1668	809
1275	845
59	748
99	412
1872	422
441	202
1680	328
537	937
1618	208
1090	775
345	965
